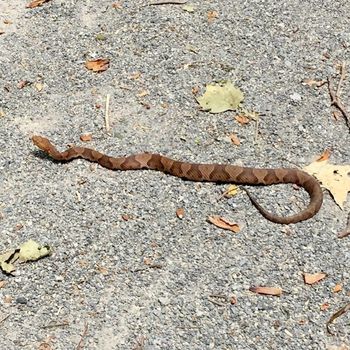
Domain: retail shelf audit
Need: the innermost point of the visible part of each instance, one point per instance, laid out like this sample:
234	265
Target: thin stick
335	101
81	342
342	77
4	318
107	124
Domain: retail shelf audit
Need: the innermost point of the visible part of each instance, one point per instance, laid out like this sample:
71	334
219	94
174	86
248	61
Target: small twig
54	325
107	124
4	318
340	312
80	345
335	98
342	77
166	2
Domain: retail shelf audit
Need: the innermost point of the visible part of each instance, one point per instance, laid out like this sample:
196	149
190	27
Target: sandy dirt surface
126	272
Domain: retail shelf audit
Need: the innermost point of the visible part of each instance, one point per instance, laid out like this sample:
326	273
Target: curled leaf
98	65
223	223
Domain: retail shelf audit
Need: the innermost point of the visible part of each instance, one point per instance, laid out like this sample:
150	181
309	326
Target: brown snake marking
201	172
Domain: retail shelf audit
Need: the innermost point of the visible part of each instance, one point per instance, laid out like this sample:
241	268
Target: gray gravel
152	282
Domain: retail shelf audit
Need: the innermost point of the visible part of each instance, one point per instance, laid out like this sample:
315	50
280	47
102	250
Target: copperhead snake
220	173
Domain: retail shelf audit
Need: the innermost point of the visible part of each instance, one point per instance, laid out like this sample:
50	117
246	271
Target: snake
217	173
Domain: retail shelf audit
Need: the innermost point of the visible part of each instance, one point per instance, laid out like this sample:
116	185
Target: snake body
221	173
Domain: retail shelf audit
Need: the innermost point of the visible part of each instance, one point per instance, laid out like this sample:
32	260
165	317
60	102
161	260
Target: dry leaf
7	299
188	8
314	83
102	270
98	65
212	15
231	191
195	90
324	306
86	137
336	178
337	288
312	278
21	84
242	119
233	300
117	5
220	97
2	284
235	140
223	223
339	313
276	291
180	213
147	261
38	86
126	217
143	93
324	156
135	76
36	3
337	115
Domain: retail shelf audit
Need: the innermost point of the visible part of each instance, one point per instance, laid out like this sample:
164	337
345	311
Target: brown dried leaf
212	15
117	5
2	284
103	270
223	223
314	83
180	213
324	306
126	217
98	65
242	119
36	3
195	90
143	93
86	137
324	156
21	84
135	76
312	278
276	291
235	140
337	288
8	299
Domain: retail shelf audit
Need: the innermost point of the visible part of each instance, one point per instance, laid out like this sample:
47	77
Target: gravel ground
155	281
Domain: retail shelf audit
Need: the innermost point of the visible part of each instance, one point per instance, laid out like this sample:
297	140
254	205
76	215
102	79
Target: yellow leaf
188	8
31	250
334	177
220	97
